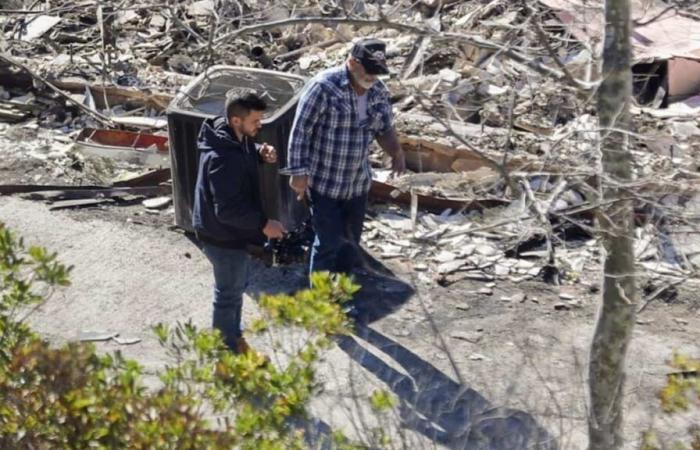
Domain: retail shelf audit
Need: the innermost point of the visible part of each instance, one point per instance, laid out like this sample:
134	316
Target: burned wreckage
463	113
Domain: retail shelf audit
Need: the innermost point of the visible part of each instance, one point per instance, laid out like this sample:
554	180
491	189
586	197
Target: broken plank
151	178
75	194
116	95
10	189
81	203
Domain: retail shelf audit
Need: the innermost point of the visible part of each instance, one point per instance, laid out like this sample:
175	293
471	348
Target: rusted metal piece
426	156
139	148
118	139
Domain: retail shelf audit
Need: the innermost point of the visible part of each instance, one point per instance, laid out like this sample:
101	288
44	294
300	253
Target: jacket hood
216	134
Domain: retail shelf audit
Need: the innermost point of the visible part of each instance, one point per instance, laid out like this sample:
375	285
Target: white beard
365	84
362	83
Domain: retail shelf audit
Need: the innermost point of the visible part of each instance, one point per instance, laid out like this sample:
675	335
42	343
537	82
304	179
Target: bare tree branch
476	41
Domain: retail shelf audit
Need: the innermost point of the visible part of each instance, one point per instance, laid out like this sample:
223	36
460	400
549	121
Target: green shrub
681	393
72	397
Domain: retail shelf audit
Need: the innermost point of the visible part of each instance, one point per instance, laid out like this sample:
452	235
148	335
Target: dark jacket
227	204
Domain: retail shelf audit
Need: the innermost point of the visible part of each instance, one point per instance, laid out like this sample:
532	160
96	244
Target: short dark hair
240	104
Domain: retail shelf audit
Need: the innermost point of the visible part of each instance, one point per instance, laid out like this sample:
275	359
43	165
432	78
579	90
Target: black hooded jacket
227	204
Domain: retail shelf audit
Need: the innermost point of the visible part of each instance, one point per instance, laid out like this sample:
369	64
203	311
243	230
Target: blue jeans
231	269
338	227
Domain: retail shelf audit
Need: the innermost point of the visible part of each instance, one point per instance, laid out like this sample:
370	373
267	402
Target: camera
291	249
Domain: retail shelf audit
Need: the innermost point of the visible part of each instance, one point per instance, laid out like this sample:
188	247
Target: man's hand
299	183
398	163
274	229
268	153
389	142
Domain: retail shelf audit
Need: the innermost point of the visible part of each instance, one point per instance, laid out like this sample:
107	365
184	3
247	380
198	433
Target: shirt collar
345	78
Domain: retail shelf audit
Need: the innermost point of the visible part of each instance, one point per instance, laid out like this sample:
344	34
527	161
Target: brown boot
243	348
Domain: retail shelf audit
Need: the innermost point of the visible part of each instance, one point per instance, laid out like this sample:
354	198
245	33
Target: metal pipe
258	54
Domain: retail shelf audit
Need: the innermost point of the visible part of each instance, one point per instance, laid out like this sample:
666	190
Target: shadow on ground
381	293
441	409
431	403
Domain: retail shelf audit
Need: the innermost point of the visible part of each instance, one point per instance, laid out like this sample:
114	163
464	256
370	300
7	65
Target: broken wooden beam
80	203
115	94
151	178
10	189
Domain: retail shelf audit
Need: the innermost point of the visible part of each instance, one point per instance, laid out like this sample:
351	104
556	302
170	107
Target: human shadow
433	404
381	291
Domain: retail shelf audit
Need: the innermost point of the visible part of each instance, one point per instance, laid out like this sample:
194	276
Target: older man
341	111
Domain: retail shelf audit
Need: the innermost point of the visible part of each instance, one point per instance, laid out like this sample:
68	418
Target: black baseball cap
372	55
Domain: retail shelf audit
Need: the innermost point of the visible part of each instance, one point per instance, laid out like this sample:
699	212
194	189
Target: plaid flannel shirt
328	142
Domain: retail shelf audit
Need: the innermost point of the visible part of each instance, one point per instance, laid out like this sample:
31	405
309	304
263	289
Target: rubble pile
493	102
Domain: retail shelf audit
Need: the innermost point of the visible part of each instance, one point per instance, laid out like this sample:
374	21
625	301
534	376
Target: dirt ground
468	368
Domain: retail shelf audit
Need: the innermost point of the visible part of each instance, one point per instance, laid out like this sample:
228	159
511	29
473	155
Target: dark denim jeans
338	227
231	270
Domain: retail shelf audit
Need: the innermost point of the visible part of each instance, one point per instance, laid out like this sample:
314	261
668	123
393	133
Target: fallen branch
546	224
419	47
542	36
654	295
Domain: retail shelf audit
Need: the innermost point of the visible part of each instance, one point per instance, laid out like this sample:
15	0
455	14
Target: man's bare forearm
389	142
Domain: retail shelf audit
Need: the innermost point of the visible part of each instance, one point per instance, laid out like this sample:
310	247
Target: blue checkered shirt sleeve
387	116
311	106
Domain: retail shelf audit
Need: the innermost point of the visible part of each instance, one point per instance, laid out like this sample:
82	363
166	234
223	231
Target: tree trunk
616	224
